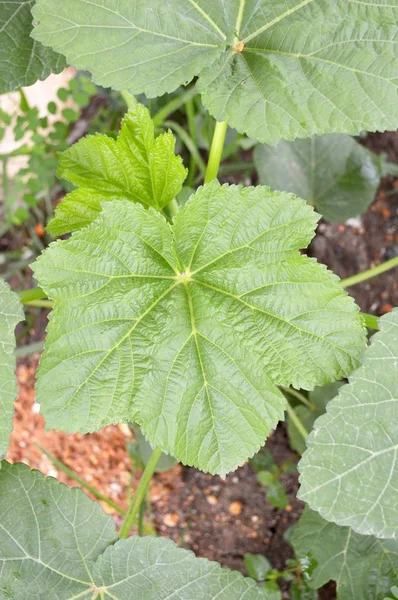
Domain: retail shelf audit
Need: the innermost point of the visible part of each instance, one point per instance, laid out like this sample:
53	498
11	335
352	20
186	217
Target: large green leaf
350	471
363	567
332	172
186	329
272	69
56	544
319	399
10	315
22	59
136	167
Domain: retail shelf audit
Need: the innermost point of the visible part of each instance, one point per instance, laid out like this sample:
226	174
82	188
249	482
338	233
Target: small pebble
171	520
235	508
212	499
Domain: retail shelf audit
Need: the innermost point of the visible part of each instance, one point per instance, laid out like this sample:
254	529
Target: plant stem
371	321
295	394
173	207
96	493
29	349
129	99
40	303
140	493
32	294
190	110
298	424
385	266
173	106
217	146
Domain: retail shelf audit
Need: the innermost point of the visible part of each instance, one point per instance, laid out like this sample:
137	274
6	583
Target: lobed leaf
272	69
56	543
349	472
11	314
187	329
334	173
363	567
136	167
22	59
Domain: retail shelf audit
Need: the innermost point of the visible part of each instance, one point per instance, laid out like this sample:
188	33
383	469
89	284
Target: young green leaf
136	167
363	567
350	471
334	173
56	543
319	398
273	70
186	329
22	60
11	314
257	566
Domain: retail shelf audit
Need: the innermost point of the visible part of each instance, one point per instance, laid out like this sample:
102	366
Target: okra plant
197	321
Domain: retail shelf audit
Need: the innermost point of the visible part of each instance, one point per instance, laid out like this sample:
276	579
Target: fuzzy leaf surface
187	329
22	59
350	471
11	314
363	567
136	167
273	69
57	543
334	173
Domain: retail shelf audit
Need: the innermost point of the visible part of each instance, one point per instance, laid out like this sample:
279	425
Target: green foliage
363	567
273	70
334	173
268	474
319	399
140	452
187	329
349	472
56	543
136	167
10	315
257	566
33	184
22	60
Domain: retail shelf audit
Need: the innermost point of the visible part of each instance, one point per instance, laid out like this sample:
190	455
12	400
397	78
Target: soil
219	519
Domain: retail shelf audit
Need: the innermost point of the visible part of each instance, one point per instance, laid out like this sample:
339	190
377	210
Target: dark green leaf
272	68
350	471
363	567
22	60
11	314
56	544
257	566
332	172
319	398
276	495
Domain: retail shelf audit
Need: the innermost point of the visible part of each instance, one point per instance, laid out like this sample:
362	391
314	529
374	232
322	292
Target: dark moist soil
219	519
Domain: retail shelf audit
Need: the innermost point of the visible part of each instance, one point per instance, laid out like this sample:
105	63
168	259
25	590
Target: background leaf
136	167
273	69
350	471
56	543
363	567
187	329
11	314
22	60
334	173
319	398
